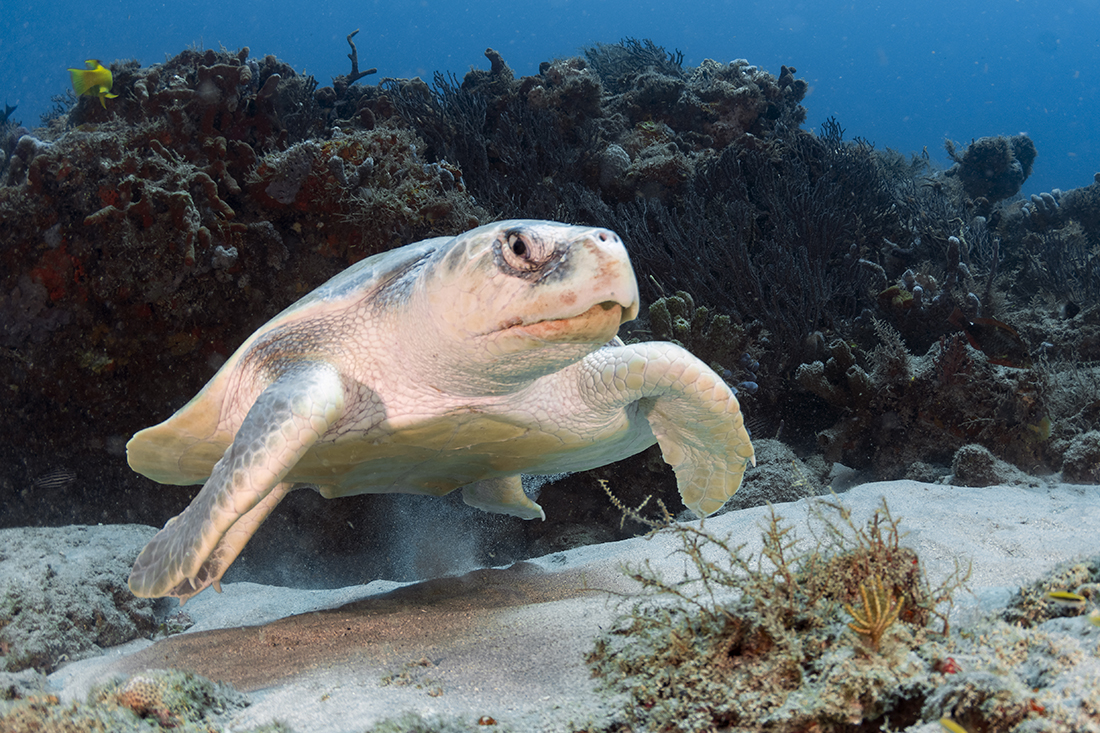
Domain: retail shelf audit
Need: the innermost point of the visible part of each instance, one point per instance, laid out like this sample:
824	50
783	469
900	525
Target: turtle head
520	299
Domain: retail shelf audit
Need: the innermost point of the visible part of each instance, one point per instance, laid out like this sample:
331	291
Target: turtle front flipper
693	414
195	548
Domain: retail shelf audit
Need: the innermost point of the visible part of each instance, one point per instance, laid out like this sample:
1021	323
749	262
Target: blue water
903	75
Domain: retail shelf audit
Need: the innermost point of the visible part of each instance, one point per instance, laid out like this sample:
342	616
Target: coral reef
993	168
628	114
149	238
950	396
853	295
1053	248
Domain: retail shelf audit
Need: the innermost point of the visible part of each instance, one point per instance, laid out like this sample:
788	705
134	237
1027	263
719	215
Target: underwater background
879	223
901	75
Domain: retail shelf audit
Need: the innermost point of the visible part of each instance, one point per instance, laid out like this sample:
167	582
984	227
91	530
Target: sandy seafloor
509	643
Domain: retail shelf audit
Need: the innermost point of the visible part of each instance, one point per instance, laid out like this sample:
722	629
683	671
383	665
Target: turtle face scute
450	363
530	286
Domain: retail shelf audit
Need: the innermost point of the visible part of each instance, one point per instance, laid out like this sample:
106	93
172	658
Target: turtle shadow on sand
468	631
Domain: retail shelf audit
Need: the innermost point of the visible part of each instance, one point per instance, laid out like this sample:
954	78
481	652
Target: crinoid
879	610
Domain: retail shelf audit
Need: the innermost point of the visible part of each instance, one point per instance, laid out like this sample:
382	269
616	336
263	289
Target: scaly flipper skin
693	414
195	548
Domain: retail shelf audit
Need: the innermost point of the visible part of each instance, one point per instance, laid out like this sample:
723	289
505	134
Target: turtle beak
597	325
603	255
628	312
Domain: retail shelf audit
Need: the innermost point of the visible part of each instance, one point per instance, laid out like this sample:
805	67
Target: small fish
1066	599
95	81
951	726
59	478
997	340
1094	617
8	109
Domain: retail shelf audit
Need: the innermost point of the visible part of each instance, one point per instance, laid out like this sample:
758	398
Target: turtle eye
521	253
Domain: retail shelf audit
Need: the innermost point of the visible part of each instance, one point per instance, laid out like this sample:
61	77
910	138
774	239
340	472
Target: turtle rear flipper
195	548
502	495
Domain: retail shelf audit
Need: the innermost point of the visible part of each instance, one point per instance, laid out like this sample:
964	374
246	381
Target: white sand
508	643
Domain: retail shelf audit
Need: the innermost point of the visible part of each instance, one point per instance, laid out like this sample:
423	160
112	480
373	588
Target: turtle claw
184	591
160	568
145	582
503	495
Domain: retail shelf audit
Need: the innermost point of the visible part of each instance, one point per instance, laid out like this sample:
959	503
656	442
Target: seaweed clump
776	642
754	643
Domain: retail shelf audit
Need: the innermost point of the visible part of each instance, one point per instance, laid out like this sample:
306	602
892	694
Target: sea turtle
456	362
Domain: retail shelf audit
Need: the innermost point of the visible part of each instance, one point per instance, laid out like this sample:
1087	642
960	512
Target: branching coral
617	63
355	74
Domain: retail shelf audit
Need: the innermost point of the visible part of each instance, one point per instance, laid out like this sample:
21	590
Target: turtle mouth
598	324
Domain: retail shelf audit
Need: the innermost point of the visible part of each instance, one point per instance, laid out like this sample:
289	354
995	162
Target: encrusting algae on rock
152	700
835	635
759	643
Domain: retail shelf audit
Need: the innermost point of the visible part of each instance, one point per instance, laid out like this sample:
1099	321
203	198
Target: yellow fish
951	726
95	81
1066	599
